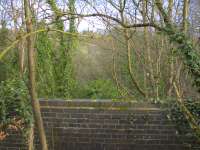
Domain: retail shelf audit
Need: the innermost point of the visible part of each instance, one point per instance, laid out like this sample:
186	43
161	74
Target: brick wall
105	125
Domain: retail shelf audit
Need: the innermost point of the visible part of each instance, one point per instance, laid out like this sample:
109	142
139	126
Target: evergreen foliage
14	103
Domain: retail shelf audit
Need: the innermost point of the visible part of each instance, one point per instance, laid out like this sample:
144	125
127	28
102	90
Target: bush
15	106
100	89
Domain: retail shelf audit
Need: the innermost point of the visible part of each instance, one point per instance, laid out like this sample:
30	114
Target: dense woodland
126	50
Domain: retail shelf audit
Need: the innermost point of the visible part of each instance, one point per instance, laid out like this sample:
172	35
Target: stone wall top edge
104	103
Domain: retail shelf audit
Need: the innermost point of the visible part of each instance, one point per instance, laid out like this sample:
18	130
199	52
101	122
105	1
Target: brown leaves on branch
15	125
3	135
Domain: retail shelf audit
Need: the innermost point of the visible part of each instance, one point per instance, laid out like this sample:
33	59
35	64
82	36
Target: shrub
100	89
15	107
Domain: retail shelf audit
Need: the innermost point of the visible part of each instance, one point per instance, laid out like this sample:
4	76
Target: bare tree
32	81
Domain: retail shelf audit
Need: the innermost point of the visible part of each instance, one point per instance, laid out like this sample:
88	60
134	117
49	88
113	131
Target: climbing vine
191	56
191	59
65	73
45	67
176	115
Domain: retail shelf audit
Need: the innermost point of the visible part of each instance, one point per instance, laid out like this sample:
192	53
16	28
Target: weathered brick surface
105	125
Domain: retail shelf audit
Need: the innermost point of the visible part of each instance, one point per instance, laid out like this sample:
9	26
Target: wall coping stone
99	103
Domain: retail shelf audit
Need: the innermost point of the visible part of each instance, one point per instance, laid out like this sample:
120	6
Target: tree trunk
32	84
171	78
147	49
21	57
185	15
170	6
128	48
31	138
